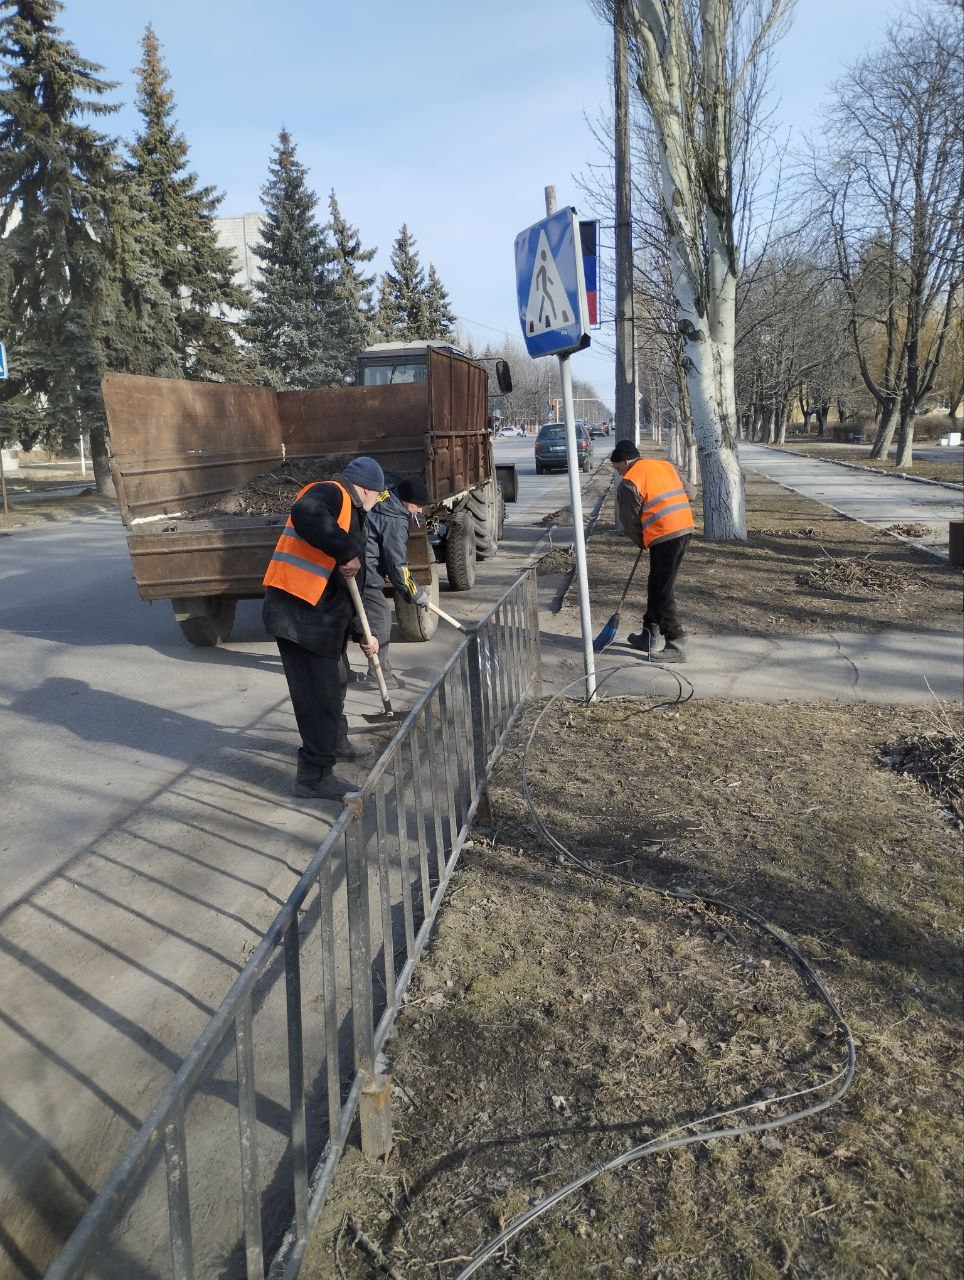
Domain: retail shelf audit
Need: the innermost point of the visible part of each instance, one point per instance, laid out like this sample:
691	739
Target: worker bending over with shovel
308	609
386	554
654	510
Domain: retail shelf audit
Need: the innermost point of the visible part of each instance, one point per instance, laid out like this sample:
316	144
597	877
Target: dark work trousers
665	559
378	608
317	687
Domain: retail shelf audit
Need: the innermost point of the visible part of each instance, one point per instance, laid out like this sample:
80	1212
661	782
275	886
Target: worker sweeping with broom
308	608
654	509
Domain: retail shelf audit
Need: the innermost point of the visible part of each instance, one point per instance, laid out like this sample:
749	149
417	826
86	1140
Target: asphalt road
148	838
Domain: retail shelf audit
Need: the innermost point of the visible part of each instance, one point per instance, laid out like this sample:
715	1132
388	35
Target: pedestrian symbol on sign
548	306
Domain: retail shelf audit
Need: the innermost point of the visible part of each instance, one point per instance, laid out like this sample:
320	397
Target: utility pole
626	407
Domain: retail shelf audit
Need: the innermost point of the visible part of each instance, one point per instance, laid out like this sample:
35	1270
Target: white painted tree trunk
708	329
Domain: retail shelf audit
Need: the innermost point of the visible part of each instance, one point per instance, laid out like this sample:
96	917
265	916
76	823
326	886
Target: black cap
413	490
625	451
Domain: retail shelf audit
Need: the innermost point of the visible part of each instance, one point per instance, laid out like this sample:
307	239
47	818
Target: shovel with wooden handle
367	633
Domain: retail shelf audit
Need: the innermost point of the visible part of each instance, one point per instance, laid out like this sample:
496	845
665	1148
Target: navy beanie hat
365	472
625	451
413	490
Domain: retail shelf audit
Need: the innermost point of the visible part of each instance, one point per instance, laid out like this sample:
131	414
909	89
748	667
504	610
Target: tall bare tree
700	65
892	182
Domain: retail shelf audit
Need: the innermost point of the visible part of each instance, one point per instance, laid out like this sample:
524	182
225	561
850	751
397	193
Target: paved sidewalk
877	500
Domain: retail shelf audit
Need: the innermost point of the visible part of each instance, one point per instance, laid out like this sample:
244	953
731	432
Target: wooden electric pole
626	426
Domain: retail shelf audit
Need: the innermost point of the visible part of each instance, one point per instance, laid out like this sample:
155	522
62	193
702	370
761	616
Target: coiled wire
680	1136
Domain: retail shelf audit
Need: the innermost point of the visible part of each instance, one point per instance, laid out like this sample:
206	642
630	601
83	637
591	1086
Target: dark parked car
550	448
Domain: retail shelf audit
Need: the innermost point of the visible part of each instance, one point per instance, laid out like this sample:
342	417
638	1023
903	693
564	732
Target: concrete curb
564	590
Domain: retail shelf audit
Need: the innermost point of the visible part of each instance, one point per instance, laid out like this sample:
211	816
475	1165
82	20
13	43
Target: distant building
240	234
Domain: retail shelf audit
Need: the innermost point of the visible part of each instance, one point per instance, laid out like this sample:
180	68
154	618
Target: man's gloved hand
421	598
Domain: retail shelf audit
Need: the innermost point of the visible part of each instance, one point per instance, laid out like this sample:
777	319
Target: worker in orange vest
308	609
653	501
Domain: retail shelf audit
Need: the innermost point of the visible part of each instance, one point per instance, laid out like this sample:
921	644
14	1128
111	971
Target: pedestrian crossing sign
551	286
3	361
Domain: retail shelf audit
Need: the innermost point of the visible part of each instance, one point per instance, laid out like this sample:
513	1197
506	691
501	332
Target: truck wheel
484	505
205	621
415	624
460	553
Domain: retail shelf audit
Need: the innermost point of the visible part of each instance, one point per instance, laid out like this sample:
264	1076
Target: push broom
608	633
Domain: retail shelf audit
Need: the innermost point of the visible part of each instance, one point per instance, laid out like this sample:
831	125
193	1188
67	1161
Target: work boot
675	651
345	749
647	640
327	787
392	681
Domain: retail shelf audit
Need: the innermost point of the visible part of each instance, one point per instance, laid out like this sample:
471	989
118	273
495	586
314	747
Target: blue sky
445	114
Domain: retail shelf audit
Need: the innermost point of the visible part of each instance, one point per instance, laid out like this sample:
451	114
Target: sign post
3	478
551	289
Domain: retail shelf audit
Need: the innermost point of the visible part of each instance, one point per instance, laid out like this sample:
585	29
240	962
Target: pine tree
401	302
440	317
351	318
57	170
287	324
197	271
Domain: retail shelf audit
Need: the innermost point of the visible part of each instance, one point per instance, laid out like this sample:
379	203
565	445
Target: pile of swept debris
935	758
274	491
847	574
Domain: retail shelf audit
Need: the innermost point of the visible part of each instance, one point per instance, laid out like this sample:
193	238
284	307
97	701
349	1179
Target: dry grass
54	510
569	1018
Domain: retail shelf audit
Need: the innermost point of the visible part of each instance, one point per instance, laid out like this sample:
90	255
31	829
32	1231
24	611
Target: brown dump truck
182	454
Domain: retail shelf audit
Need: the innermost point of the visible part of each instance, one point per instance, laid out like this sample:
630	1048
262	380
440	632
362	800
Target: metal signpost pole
578	532
3	478
575	500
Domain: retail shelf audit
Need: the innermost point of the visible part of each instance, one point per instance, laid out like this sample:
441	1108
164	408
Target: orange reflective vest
295	565
665	506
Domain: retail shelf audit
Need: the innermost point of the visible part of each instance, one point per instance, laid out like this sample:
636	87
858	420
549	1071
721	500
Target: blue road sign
3	361
551	286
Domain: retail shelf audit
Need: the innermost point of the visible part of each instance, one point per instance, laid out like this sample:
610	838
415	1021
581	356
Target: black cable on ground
839	1083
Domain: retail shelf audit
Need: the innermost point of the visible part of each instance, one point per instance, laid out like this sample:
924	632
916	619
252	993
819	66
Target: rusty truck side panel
460	451
389	423
178	446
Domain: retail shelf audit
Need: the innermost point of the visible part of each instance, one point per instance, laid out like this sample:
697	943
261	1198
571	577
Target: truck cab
388	364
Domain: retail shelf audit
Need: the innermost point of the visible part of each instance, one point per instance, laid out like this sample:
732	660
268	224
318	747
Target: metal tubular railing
374	887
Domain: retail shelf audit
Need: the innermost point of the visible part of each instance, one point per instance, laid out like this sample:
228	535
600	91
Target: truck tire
206	621
460	553
415	624
484	506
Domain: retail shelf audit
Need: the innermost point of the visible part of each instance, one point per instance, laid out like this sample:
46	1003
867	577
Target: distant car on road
550	448
599	428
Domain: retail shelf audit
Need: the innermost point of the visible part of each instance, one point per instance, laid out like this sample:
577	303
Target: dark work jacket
323	627
386	551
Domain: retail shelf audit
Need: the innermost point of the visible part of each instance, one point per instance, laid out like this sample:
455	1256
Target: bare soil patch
54	510
558	1020
804	570
859	455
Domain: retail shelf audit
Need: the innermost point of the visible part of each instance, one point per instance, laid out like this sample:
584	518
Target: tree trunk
841	411
807	415
692	463
103	479
885	431
673	451
769	424
905	441
782	416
